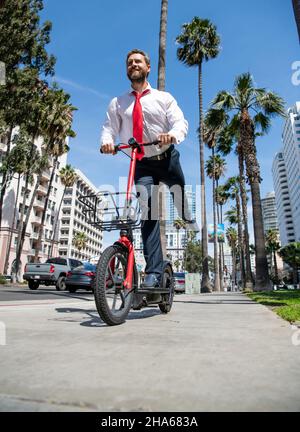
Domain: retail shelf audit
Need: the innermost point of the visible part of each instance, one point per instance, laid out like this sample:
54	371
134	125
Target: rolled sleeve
178	124
112	124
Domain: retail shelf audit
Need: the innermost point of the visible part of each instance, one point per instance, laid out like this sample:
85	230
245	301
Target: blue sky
90	40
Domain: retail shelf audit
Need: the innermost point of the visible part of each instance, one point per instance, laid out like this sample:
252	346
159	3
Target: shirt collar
147	88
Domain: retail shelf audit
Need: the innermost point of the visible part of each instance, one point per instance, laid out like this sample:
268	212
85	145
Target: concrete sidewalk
213	352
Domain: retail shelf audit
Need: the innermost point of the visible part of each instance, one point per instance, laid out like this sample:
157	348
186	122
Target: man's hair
138	51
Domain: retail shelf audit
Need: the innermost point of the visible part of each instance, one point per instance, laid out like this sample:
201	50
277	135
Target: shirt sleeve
178	124
112	124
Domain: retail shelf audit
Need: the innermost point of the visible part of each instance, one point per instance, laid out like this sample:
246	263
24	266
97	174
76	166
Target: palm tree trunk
56	221
233	274
262	280
205	282
248	273
13	224
216	262
22	230
41	227
221	267
4	176
161	86
275	265
162	46
240	239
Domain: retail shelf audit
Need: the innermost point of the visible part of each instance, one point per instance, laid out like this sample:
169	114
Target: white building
269	212
14	200
73	221
286	178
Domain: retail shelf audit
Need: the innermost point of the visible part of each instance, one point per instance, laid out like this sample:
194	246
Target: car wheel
72	290
33	285
61	283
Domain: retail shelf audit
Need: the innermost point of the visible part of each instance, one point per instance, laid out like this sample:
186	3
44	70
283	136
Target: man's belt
161	156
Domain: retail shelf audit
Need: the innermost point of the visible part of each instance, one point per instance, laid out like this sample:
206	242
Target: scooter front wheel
113	301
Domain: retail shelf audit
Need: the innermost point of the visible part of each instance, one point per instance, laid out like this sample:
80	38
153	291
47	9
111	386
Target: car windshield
86	266
61	261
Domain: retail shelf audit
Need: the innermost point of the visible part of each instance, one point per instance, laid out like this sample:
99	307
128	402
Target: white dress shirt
161	115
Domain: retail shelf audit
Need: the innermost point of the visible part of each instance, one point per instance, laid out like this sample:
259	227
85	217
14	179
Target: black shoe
150	281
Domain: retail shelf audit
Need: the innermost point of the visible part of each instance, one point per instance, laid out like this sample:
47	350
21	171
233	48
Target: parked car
82	276
179	279
52	272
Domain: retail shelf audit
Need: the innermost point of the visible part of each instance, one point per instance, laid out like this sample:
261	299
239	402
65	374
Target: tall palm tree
161	80
200	42
162	45
265	104
215	168
232	186
225	146
68	177
231	235
57	128
273	245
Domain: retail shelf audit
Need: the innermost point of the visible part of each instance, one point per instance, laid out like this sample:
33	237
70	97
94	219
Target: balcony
42	190
46	175
36	220
39	204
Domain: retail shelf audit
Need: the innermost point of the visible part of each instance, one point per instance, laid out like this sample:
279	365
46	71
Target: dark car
81	277
179	279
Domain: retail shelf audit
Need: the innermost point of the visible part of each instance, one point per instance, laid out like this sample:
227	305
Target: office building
73	221
286	178
268	205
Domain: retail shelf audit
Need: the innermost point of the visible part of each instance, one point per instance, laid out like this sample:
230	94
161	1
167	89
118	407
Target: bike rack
109	210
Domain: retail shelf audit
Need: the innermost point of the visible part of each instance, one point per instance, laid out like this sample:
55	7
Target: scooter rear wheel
113	301
168	282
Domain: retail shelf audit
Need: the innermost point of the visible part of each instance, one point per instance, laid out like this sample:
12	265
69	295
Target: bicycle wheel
168	282
113	301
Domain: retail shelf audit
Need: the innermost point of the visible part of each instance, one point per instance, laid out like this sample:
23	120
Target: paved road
213	352
22	292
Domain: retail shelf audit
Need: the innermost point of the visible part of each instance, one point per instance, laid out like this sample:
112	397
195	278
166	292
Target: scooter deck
154	290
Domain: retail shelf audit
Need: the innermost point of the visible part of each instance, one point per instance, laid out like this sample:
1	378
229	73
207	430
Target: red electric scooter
117	287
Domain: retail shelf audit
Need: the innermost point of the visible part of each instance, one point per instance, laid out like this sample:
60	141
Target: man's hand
166	139
108	148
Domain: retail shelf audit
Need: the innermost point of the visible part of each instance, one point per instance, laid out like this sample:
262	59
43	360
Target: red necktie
137	119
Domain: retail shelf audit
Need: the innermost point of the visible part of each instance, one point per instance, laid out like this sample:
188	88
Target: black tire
113	301
72	289
61	283
168	281
33	285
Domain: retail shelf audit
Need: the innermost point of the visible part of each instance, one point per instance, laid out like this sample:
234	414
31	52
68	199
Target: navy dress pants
148	175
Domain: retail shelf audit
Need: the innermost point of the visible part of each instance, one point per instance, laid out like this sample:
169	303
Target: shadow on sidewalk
96	321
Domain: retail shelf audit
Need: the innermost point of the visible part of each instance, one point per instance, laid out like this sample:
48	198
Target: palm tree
273	245
80	240
213	125
232	186
200	42
178	224
68	177
231	235
162	45
291	255
265	104
161	86
225	145
221	199
57	128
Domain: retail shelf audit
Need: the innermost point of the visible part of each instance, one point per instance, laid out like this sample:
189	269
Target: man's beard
141	78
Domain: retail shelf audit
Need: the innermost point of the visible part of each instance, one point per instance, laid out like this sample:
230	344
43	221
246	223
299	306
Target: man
147	115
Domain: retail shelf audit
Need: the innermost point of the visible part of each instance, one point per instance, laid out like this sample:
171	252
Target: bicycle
116	287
